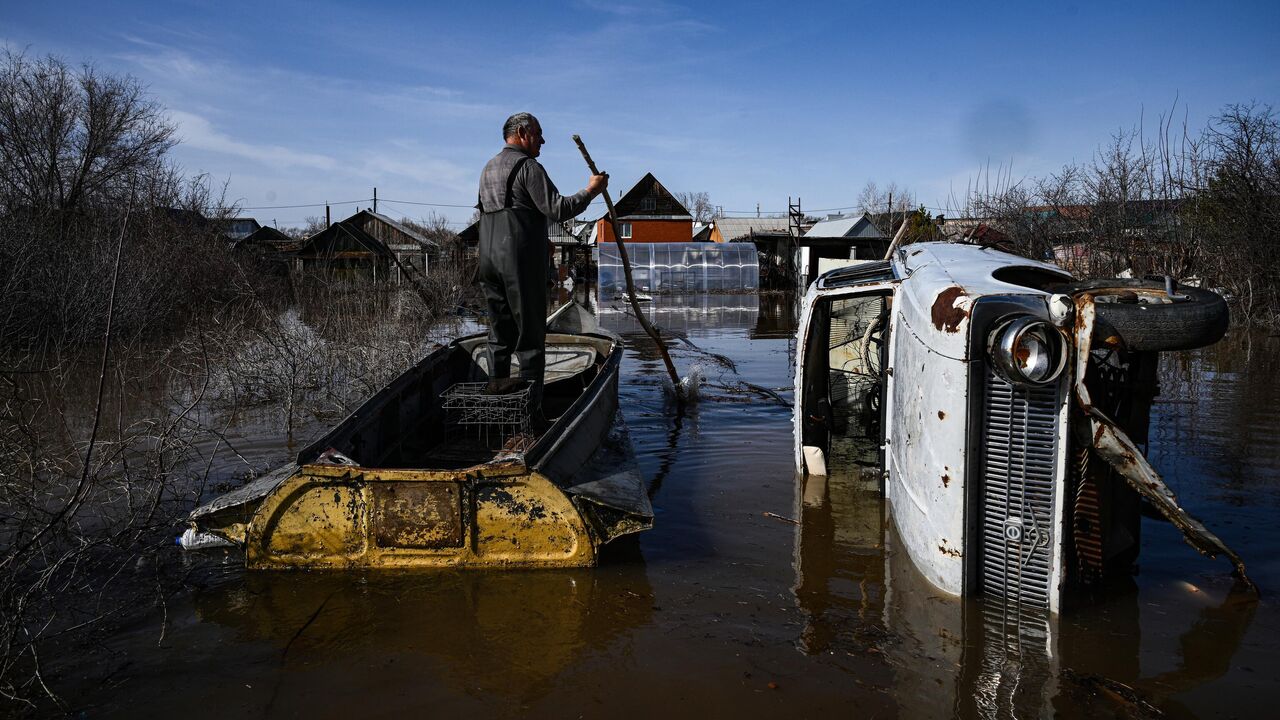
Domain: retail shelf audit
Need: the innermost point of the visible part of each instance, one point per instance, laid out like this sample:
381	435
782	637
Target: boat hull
335	517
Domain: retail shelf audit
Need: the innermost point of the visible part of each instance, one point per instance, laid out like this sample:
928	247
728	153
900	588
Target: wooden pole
650	330
897	238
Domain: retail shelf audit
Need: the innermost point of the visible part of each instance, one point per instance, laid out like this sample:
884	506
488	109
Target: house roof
237	228
342	238
365	216
267	237
733	228
665	205
850	226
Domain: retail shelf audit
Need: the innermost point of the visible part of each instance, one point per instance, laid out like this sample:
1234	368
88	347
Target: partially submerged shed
839	238
773	241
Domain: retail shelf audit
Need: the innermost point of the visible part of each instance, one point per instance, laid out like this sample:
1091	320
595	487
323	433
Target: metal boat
437	469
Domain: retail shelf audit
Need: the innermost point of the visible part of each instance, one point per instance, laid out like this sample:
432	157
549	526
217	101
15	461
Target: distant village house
366	246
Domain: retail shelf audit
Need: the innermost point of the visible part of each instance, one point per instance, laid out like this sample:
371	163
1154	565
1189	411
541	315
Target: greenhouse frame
673	268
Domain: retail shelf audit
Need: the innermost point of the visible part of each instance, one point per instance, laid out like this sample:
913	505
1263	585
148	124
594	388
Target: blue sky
307	102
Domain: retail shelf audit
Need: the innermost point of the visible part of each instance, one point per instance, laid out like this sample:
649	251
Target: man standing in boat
517	200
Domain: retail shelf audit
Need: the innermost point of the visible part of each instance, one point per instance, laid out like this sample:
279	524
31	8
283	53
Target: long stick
897	237
650	330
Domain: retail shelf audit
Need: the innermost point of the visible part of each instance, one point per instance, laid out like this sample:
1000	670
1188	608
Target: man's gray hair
515	123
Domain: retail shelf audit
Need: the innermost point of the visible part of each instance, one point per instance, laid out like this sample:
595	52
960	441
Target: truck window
845	357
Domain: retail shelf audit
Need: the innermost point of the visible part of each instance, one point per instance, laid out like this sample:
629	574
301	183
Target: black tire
1197	321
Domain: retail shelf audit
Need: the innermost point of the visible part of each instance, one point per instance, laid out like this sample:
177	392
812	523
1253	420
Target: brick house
648	213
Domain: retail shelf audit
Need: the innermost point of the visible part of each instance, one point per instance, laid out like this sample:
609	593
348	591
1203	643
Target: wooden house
366	246
267	249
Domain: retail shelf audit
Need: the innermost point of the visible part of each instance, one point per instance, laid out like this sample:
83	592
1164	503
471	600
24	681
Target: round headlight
1028	351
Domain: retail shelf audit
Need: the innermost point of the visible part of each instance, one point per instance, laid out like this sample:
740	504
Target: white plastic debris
192	539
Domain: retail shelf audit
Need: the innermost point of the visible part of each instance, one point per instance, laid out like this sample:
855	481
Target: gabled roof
664	205
363	218
851	226
266	237
341	238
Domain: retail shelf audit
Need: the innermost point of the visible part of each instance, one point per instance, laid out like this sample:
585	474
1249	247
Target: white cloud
164	61
420	167
197	132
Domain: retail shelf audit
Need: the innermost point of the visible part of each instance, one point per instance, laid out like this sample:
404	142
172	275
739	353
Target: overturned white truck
996	402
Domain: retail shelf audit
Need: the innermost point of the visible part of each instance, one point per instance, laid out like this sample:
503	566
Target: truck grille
1018	470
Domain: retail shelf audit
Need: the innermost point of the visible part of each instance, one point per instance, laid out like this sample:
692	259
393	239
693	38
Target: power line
307	205
404	214
726	213
429	204
753	213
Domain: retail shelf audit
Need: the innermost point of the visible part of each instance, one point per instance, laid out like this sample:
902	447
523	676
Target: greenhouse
670	268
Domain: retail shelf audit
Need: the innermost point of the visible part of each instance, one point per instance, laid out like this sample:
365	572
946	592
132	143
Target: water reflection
494	634
859	593
681	315
778	317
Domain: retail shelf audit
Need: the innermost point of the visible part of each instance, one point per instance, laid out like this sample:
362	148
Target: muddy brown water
753	596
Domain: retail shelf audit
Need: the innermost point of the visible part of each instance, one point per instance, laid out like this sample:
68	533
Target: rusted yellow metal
344	517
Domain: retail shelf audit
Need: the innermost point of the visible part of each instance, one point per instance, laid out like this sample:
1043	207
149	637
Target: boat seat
563	361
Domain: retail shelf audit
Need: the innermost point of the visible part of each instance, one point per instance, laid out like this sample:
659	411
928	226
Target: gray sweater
532	190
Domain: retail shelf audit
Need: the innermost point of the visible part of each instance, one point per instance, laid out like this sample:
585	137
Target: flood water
753	596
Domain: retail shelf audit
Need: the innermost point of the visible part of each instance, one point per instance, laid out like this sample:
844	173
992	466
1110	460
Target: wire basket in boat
499	421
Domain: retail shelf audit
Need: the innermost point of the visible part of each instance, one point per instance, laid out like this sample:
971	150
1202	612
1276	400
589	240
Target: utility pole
327	218
890	228
375	200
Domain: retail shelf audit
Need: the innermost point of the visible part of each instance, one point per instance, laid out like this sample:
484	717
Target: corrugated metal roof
853	226
734	228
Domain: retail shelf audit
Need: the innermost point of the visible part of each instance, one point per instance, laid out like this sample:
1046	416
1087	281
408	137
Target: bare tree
1202	206
311	225
1239	205
874	200
70	137
698	204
